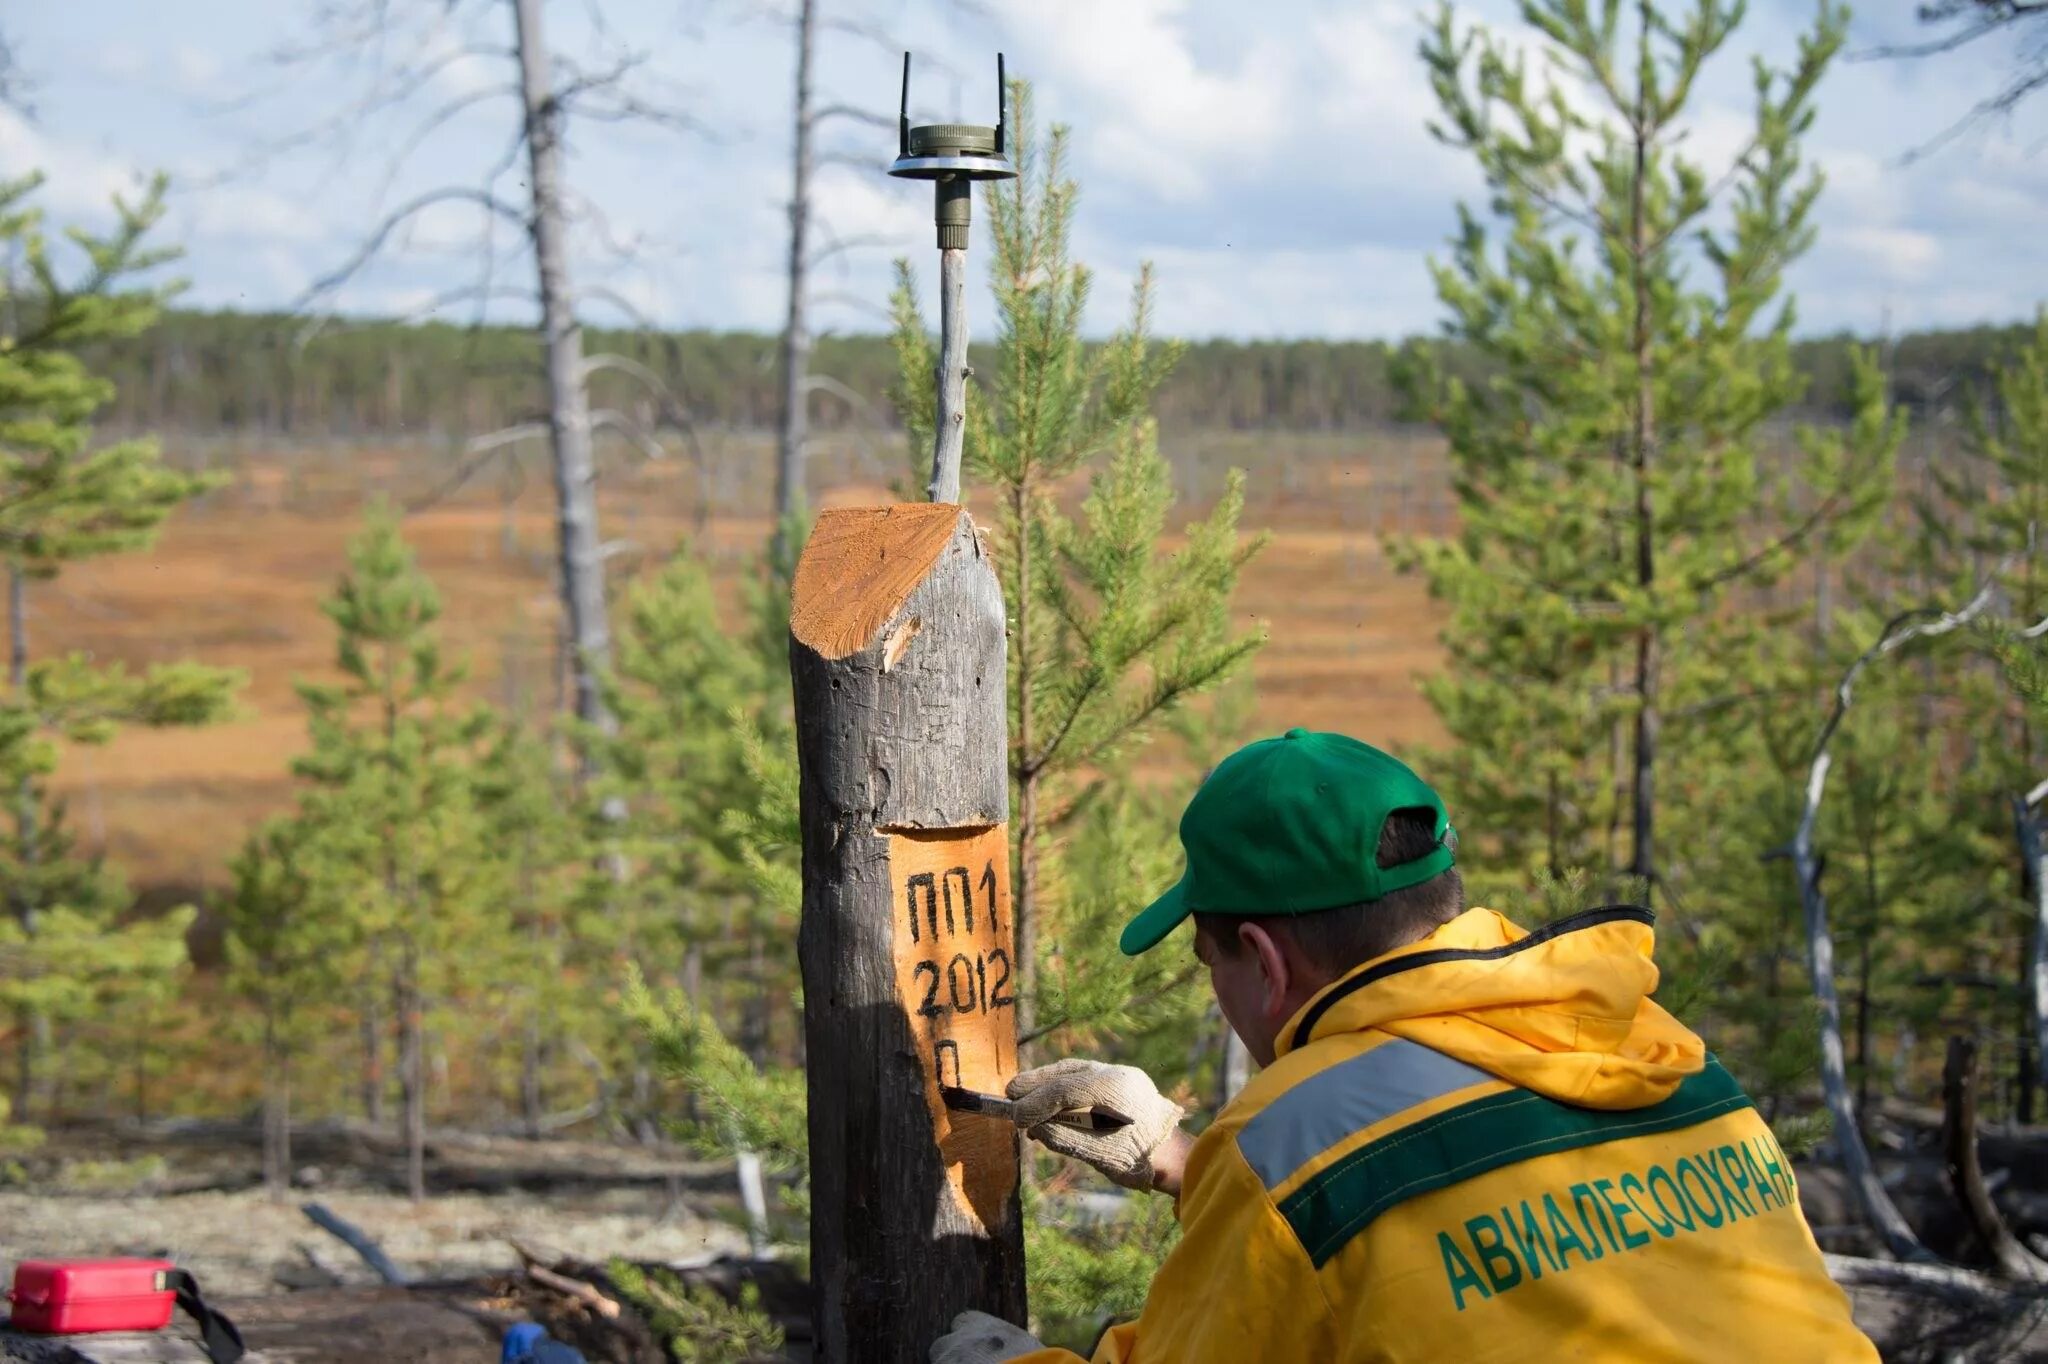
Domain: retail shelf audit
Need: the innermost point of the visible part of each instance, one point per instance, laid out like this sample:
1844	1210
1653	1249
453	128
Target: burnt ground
191	1191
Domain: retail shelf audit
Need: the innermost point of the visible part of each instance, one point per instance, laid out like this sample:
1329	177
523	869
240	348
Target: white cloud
79	181
237	212
1164	121
1899	255
1272	159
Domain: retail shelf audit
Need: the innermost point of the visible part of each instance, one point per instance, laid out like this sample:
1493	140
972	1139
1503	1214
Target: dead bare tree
540	91
1958	24
1903	629
793	423
505	74
2037	868
1877	1205
796	337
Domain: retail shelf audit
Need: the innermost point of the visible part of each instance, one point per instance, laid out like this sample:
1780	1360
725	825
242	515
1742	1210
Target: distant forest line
216	372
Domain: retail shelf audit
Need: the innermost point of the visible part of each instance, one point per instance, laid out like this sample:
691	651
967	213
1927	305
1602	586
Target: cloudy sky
1270	159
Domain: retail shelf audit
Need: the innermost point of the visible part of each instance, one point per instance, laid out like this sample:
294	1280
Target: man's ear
1276	976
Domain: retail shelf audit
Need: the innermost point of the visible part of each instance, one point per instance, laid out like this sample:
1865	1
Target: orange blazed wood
957	980
859	567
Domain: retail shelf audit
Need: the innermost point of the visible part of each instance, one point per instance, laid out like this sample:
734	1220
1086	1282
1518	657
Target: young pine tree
691	696
553	888
391	809
1623	510
1109	632
63	498
285	936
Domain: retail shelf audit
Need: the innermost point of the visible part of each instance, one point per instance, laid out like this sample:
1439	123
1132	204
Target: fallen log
1931	1314
358	1241
574	1288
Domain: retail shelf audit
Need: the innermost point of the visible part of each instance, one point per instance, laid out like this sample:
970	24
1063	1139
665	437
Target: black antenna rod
1002	103
903	112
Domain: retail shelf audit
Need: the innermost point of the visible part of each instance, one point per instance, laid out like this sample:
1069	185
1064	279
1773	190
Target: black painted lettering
966	897
996	998
988	883
931	907
953	976
931	1008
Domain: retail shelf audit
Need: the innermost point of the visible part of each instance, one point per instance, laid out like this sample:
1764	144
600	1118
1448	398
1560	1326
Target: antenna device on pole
953	156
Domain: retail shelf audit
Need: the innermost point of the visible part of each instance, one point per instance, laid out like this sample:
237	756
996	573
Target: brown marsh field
237	579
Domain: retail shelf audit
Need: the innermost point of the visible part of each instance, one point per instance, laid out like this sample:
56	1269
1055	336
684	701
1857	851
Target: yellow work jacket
1491	1145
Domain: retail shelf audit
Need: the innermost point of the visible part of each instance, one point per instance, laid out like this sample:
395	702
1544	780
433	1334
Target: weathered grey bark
1854	1156
1966	1175
796	336
904	732
1876	1202
2039	972
950	429
2034	974
581	566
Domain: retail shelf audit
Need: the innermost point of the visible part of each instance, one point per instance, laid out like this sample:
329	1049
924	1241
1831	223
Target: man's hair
1338	939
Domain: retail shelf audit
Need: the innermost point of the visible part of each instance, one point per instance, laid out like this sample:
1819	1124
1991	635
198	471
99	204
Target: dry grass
238	580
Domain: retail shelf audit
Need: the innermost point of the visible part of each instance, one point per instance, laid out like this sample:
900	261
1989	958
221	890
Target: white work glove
978	1338
1123	1153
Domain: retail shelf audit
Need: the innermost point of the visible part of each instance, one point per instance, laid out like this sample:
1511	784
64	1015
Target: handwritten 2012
971	984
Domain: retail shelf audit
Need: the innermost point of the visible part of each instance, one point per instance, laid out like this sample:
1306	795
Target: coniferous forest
399	786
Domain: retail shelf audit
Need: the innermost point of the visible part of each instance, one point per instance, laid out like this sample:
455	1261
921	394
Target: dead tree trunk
796	336
1877	1204
581	565
896	656
1966	1175
2036	860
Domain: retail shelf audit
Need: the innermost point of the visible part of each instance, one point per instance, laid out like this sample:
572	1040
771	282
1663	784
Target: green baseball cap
1292	826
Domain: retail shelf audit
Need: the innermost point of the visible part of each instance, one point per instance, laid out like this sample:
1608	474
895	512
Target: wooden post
896	655
950	428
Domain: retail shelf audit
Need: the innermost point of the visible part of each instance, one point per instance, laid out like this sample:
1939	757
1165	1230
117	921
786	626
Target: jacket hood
1564	1011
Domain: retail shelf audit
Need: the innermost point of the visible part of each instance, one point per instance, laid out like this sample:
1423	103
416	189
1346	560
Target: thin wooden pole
949	431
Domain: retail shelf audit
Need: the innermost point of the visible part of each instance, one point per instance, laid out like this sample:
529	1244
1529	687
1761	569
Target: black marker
995	1106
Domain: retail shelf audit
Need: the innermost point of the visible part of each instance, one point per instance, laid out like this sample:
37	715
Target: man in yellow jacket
1468	1141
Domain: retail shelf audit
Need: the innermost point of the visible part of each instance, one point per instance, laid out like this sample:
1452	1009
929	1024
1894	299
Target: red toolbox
63	1297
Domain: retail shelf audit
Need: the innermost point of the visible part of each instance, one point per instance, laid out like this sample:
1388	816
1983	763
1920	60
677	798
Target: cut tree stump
896	655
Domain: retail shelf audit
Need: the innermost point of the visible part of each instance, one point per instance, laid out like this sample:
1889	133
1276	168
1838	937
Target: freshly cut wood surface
858	569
